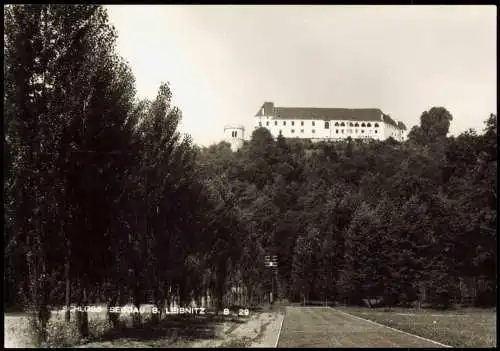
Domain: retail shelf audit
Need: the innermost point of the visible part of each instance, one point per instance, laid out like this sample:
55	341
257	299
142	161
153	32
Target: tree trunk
199	298
206	298
44	313
113	317
169	297
250	294
155	317
161	306
82	317
136	319
221	279
67	302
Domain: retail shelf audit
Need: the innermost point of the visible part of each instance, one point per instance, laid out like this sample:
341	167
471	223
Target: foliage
403	221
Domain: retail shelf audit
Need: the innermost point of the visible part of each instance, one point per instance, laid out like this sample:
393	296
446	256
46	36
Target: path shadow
179	327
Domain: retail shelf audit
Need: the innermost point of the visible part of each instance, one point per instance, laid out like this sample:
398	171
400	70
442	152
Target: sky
224	61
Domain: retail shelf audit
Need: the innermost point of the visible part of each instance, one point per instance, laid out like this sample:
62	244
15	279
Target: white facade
332	129
396	133
234	134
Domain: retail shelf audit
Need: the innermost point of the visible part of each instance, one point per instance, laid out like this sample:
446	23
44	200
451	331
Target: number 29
243	312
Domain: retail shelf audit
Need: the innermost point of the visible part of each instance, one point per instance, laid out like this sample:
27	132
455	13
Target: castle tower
234	134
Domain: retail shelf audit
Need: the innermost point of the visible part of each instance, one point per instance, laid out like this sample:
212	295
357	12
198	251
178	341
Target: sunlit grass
463	328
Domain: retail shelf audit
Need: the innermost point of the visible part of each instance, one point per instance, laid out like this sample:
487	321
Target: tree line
103	198
105	201
401	222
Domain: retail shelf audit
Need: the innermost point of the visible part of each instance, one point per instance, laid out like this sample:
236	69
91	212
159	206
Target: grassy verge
173	331
459	328
207	330
167	333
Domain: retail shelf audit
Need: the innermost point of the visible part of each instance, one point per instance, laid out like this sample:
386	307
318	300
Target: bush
98	327
61	334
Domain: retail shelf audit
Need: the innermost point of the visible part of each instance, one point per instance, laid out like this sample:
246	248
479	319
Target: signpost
271	262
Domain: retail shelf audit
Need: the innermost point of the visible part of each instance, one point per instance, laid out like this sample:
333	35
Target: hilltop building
234	134
332	124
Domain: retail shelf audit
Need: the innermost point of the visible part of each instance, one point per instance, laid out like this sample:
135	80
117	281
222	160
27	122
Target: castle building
331	124
234	134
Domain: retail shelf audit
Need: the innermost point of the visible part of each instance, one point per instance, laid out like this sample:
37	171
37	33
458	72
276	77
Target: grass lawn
461	328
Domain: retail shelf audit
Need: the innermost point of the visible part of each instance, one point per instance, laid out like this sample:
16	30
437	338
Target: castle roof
402	126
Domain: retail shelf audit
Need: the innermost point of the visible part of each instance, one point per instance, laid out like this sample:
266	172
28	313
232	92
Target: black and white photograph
250	176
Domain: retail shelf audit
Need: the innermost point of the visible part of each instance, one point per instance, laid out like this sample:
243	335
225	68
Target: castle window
363	125
267	124
375	132
342	124
336	124
301	123
260	124
376	125
355	131
302	130
368	125
284	123
327	125
275	123
356	125
362	130
293	123
293	130
313	131
342	131
313	123
336	131
280	131
351	124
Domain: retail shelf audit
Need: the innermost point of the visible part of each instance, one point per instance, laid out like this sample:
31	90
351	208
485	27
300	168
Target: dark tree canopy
434	125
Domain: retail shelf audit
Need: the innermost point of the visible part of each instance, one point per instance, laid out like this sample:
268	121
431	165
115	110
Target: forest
105	201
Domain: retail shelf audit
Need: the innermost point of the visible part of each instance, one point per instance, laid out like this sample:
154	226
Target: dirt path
260	330
270	335
326	327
